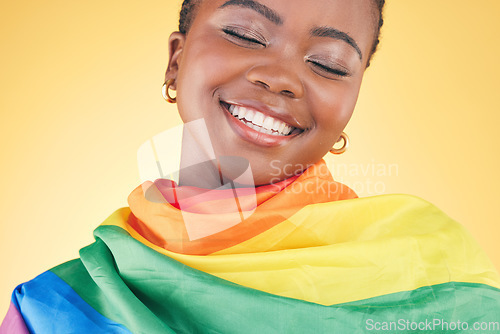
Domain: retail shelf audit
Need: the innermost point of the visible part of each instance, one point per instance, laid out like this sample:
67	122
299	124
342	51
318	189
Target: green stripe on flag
149	292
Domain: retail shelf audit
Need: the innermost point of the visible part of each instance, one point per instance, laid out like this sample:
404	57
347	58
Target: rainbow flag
305	264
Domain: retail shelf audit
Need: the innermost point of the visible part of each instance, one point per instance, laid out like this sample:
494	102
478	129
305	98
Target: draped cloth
311	258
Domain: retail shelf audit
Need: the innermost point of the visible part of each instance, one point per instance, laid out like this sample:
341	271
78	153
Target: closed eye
243	37
335	71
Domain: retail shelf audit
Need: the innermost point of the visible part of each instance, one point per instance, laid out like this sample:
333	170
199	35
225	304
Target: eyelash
334	71
247	39
241	36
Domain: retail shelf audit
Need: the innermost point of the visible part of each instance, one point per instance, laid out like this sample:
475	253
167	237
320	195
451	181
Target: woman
302	260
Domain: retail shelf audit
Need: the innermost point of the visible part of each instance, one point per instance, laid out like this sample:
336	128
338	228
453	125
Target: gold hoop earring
164	91
344	147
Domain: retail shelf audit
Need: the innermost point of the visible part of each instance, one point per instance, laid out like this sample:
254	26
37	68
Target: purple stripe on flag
13	322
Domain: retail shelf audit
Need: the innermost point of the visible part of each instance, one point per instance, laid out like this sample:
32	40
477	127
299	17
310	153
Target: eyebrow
336	34
267	12
274	17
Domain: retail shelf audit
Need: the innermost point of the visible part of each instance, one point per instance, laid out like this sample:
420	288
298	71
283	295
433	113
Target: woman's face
290	69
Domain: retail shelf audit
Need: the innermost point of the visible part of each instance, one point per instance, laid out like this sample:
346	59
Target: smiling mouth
260	122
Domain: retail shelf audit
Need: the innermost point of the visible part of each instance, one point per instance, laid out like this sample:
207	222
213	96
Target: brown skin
210	65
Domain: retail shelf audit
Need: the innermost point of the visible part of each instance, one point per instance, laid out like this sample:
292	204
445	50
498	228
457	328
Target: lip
251	135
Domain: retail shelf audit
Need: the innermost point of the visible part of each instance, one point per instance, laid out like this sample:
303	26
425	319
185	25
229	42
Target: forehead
355	17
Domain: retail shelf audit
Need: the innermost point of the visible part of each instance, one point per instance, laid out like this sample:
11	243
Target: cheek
199	73
207	63
334	104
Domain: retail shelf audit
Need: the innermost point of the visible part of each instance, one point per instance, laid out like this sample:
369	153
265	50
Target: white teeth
282	127
276	125
258	118
249	115
268	123
260	122
241	112
235	110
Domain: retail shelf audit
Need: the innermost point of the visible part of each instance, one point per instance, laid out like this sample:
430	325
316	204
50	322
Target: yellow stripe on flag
348	250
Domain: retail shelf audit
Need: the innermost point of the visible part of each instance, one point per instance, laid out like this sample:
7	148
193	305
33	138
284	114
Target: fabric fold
163	223
303	262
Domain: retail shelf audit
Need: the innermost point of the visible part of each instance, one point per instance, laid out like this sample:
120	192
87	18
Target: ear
175	46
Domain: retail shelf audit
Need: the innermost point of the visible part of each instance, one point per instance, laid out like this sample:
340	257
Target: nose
277	78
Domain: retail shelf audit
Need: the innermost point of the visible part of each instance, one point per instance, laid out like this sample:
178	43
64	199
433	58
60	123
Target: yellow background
80	92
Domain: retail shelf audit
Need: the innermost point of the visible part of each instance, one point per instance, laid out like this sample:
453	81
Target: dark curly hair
190	7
